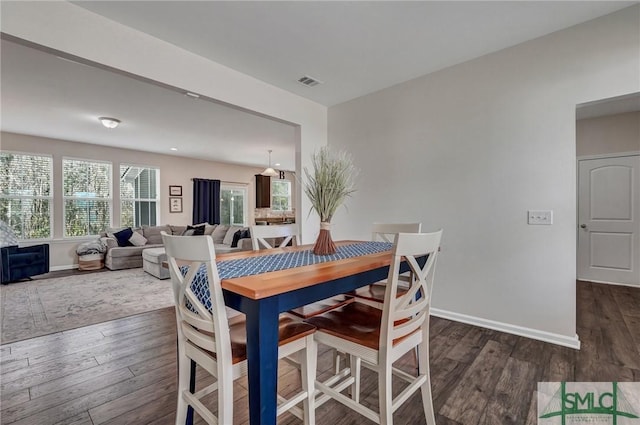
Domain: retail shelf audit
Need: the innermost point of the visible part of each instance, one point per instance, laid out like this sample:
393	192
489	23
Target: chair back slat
204	326
405	314
386	232
288	232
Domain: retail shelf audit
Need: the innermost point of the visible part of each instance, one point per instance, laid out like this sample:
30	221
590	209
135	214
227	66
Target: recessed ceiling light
277	164
173	149
193	95
109	122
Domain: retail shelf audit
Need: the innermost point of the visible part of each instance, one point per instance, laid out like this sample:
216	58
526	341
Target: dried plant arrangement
328	185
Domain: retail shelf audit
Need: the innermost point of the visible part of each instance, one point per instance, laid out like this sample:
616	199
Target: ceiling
355	48
44	95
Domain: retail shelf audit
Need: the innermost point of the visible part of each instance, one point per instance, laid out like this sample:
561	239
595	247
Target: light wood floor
124	371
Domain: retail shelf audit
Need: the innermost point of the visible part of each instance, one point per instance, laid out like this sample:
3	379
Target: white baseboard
509	328
630	285
67	267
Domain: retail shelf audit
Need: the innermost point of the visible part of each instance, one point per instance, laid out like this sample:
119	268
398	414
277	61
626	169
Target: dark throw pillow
236	237
240	234
194	231
123	237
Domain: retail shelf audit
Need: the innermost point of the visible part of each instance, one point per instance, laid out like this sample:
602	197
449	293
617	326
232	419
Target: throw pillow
228	238
236	237
177	230
7	237
219	233
123	236
208	228
137	239
194	231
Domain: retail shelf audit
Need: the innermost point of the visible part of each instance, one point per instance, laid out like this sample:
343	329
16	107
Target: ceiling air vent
309	81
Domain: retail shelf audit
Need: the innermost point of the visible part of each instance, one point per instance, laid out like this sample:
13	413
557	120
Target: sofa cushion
137	239
194	230
208	228
152	233
123	236
177	230
228	237
130	251
109	242
222	248
219	233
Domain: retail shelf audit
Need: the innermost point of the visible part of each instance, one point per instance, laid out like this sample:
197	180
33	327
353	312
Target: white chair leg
336	360
425	389
225	397
355	363
385	396
184	368
308	371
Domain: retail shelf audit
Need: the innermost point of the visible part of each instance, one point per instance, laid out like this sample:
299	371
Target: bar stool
206	337
379	337
262	237
373	294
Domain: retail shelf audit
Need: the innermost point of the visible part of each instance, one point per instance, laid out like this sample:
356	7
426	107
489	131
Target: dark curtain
206	201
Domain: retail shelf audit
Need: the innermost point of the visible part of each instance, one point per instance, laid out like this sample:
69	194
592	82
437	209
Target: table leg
262	357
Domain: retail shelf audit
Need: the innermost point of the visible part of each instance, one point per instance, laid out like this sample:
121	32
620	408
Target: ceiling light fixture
109	122
173	149
269	171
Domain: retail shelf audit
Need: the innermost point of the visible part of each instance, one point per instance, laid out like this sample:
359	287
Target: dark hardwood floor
124	371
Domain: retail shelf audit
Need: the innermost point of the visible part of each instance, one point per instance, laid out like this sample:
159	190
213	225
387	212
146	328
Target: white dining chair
380	337
206	337
373	294
286	232
262	237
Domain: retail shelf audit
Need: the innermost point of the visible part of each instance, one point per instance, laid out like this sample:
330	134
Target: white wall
470	149
71	29
174	170
609	134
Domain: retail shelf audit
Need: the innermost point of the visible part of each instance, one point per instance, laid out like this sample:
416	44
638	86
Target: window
280	195
26	202
233	205
87	196
139	196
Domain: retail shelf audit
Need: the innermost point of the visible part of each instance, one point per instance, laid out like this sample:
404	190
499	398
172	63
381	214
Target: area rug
41	307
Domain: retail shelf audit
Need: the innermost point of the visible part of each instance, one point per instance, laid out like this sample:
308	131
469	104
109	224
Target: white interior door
609	220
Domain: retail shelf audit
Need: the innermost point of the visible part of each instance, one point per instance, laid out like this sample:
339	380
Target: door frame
584	158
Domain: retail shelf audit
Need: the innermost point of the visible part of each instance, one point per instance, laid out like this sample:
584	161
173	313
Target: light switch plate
540	217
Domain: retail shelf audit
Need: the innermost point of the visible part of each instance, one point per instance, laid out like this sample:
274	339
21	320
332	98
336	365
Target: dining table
265	283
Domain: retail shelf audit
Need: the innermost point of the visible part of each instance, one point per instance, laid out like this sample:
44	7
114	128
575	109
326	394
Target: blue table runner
228	269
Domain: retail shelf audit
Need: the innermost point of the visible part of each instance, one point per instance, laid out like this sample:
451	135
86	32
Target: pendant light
269	171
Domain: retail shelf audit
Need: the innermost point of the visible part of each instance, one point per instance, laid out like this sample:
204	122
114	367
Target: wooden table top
273	283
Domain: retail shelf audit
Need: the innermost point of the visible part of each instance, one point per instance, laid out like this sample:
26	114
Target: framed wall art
175	205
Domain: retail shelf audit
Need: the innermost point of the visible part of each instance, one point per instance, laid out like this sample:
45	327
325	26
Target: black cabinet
263	191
